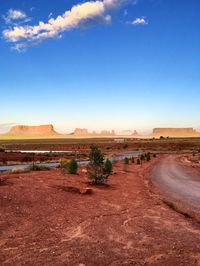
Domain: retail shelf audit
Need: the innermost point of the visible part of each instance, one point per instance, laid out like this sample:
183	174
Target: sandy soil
122	224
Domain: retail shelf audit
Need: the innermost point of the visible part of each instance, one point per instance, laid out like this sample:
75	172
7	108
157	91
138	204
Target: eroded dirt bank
122	224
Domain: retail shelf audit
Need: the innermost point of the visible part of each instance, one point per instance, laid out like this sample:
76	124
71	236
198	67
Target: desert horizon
25	131
100	133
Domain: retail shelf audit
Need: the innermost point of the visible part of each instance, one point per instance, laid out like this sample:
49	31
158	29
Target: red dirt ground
122	224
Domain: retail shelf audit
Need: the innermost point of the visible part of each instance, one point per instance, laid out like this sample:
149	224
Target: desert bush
69	166
154	155
126	163
142	157
126	160
95	168
37	167
148	156
108	167
20	170
2	149
138	161
64	164
125	146
72	167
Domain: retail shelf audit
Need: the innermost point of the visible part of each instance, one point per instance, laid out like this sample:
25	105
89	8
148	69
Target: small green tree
108	167
95	168
138	161
148	156
142	157
72	167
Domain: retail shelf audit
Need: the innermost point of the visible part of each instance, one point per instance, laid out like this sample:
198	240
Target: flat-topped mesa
175	132
42	130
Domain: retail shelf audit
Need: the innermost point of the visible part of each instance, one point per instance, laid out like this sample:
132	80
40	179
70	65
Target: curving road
177	183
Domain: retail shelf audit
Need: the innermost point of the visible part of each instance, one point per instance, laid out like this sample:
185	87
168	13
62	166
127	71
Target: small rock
85	191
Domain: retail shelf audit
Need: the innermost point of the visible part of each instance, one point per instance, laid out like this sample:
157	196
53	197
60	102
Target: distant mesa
107	133
175	132
48	131
42	130
85	132
81	132
135	133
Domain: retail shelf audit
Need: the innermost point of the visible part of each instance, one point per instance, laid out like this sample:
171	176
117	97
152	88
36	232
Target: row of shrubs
143	157
98	169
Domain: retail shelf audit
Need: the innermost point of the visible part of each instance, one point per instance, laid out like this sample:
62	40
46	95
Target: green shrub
142	157
64	164
126	160
108	167
95	167
72	167
69	166
133	160
138	161
148	156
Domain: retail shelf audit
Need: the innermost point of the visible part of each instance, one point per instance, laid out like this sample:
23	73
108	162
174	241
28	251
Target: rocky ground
120	224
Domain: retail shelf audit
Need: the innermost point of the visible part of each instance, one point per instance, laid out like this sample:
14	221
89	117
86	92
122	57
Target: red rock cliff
33	130
175	132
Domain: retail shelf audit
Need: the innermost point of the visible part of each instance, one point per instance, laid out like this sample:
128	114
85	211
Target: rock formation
107	133
85	132
42	130
81	132
175	132
135	133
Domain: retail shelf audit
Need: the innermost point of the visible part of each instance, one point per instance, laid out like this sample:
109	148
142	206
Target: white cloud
50	15
83	14
14	15
139	21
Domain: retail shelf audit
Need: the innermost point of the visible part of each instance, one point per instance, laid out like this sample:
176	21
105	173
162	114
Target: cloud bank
80	15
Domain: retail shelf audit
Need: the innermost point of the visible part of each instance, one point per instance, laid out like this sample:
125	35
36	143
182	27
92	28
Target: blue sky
116	65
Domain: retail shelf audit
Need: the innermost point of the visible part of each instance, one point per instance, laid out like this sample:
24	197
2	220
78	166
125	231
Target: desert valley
99	133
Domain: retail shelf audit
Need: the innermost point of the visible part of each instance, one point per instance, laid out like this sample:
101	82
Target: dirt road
179	184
